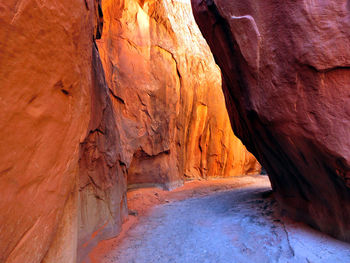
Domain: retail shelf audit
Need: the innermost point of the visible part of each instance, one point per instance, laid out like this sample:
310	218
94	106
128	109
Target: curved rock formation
286	71
166	93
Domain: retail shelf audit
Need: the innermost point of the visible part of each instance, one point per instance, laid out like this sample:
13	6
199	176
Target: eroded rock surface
102	181
286	71
165	89
45	74
52	87
69	141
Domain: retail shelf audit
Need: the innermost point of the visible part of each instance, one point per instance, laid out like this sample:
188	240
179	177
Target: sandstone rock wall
45	74
51	209
165	89
286	72
69	140
102	182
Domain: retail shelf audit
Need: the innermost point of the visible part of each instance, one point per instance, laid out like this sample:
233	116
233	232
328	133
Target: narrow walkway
236	225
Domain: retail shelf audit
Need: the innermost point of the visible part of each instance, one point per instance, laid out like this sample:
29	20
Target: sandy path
236	225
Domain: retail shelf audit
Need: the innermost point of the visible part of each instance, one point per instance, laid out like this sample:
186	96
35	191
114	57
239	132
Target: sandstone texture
72	136
285	66
166	92
102	181
45	74
50	73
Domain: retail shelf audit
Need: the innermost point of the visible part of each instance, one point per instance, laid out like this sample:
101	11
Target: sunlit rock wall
166	92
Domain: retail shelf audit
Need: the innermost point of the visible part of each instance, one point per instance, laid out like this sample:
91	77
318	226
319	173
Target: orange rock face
45	74
286	70
166	92
102	184
69	141
52	87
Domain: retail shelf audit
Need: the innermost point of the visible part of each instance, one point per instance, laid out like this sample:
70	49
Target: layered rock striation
286	77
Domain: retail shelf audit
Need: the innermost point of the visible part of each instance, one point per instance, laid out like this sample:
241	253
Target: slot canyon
174	131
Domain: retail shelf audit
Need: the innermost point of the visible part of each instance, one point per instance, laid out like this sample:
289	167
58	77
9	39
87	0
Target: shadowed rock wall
102	181
52	87
45	74
285	66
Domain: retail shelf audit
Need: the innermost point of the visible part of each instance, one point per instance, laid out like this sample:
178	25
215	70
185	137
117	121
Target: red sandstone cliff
166	92
286	69
69	140
45	72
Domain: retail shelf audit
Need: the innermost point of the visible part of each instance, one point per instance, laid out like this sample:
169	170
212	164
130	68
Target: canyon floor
227	220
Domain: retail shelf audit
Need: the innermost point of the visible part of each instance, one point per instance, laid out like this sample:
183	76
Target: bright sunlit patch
143	21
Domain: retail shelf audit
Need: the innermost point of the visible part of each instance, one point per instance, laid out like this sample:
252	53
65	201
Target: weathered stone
166	92
285	66
102	181
50	72
45	74
69	141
